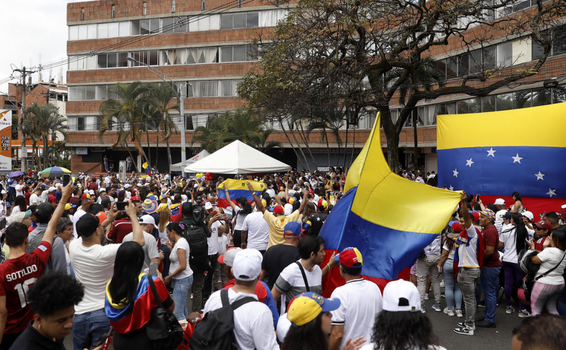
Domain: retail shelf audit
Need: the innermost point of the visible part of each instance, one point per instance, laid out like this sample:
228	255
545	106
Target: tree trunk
416	152
392	149
327	147
353	145
306	142
346	142
45	147
148	148
131	156
300	149
170	161
291	143
157	148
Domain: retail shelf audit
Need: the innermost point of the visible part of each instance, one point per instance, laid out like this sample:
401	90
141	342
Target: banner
6	139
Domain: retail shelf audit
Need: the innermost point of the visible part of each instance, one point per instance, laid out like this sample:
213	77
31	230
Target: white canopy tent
178	166
237	158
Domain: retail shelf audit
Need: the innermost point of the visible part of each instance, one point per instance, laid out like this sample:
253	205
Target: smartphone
100	341
478	198
153	269
121	205
66	179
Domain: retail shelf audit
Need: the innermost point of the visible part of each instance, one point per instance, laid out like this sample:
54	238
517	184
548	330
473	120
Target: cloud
35	32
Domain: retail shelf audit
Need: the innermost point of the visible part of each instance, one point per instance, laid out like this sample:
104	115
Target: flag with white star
498	153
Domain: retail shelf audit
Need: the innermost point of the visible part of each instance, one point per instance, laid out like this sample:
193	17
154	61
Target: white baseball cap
499	201
51	189
207	205
228	257
529	215
401	295
147	219
247	265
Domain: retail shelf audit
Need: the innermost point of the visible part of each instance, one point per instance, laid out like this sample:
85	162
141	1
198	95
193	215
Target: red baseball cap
350	257
456	227
476	215
278	210
545	225
86	196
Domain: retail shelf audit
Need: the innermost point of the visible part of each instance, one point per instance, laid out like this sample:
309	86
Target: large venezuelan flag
388	218
498	153
237	189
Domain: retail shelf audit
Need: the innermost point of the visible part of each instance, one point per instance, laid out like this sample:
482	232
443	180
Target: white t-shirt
258	231
253	322
180	244
93	267
467	254
291	283
80	212
163	235
360	302
550	257
16	209
508	236
239	219
149	248
450	251
213	239
19	190
34	199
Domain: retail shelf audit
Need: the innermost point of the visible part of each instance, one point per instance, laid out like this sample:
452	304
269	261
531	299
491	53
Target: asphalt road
443	325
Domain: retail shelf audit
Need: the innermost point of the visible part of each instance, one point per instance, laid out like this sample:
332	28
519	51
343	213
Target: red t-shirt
491	238
539	243
17	276
119	230
26	196
52	200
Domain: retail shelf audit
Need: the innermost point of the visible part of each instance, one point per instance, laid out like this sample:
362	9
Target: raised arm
465	213
136	228
304	201
52	226
229	200
257	200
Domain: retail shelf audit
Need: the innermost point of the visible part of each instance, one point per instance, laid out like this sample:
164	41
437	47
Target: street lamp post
179	90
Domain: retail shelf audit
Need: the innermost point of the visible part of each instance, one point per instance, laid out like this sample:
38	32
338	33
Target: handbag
163	329
552	269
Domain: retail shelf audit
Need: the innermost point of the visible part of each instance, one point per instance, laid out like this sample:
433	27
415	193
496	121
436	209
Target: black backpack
216	330
196	237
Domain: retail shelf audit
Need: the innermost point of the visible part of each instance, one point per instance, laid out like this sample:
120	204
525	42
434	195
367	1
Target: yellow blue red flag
237	189
387	217
498	153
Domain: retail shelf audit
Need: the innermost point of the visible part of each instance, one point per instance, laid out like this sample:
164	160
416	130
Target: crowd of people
95	257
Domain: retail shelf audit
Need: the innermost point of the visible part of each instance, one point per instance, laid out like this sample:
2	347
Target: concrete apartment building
203	43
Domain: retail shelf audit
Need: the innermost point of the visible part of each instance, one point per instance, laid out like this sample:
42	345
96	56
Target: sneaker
426	296
485	324
436	307
509	310
481	303
524	313
463	324
459	313
449	312
423	310
464	330
441	284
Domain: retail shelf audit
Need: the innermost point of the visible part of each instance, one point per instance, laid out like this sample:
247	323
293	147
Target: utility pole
24	74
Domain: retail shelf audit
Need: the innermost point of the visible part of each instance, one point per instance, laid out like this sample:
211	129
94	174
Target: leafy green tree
125	115
226	128
164	100
40	122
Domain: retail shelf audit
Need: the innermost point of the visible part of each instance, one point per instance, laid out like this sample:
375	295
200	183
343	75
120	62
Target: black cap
86	225
507	215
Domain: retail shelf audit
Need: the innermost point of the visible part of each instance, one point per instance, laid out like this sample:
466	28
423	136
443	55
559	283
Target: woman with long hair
513	238
401	325
180	273
518	205
310	209
549	280
129	298
19	205
311	323
164	220
452	288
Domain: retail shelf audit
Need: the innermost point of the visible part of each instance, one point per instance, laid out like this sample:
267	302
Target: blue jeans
88	328
181	289
451	287
561	306
489	283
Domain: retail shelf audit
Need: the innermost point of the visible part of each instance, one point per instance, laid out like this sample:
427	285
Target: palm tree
125	114
162	97
41	121
239	125
328	117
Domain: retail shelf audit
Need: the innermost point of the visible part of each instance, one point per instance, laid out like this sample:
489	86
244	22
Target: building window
239	3
203	7
173	6
144	9
82	13
113	11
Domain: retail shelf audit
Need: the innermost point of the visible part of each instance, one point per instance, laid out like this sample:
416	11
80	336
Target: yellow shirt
277	225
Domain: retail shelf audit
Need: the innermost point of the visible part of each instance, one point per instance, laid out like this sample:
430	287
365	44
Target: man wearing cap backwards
281	255
361	302
151	255
277	221
93	265
20	272
253	323
261	290
489	278
58	258
501	210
